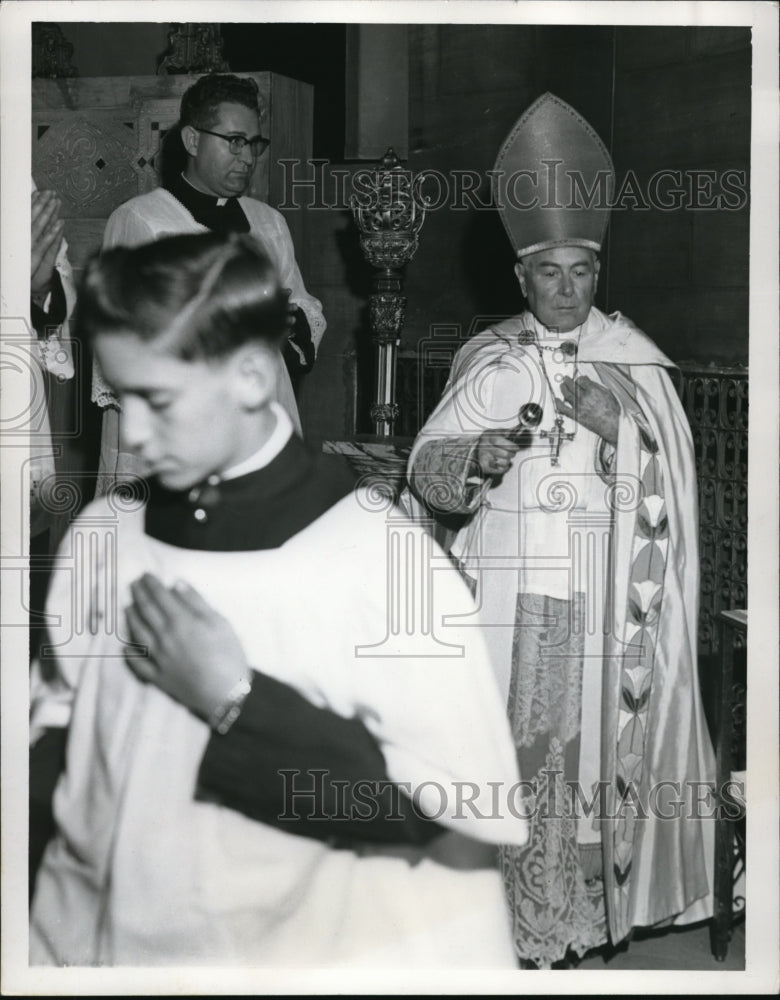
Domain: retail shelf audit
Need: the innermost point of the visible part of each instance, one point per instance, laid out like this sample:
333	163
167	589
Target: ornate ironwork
420	387
739	715
194	48
389	215
51	52
738	874
716	404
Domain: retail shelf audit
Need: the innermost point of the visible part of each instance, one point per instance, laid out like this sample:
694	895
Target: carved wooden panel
87	157
155	117
96	141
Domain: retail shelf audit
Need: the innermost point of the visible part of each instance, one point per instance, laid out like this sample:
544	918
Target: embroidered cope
586	576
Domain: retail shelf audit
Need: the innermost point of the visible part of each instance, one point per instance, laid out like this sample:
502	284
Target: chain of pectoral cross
556	435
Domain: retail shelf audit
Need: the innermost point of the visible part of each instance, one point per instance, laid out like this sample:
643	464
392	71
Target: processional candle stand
389	213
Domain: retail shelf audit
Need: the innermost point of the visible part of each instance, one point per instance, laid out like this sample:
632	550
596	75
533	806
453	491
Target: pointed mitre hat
553	180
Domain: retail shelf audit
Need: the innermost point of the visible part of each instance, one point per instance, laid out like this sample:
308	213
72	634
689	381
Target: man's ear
190	137
520	272
596	269
257	373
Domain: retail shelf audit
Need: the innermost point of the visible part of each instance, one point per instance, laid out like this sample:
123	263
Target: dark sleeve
308	771
47	762
301	337
57	307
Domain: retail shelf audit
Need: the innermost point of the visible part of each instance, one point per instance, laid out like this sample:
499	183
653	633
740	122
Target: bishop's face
560	285
212	168
185	420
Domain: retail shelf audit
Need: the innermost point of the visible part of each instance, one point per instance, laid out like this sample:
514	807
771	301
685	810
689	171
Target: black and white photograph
390	427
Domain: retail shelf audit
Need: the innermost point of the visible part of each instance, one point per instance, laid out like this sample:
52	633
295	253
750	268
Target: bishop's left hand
591	405
193	654
292	312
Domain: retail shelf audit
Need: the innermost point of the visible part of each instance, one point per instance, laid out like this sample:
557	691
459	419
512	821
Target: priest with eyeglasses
220	129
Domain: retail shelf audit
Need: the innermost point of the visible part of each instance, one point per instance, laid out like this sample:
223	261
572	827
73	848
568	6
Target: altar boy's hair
197	296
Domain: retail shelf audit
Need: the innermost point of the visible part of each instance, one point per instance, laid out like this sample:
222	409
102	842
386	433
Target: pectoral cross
556	436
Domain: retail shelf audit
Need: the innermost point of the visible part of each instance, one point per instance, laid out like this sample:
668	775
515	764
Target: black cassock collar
229	217
260	510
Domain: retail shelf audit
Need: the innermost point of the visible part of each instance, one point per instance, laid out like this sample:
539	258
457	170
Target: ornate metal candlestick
389	215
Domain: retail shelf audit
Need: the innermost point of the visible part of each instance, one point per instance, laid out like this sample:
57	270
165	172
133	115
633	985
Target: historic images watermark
315	184
313	795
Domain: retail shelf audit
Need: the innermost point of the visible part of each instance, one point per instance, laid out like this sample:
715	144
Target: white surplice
349	612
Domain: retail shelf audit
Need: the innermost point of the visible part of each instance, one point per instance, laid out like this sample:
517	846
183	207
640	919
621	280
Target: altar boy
143	871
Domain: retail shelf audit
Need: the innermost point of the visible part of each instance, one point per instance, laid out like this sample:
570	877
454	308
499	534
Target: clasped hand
46	240
591	405
292	312
192	652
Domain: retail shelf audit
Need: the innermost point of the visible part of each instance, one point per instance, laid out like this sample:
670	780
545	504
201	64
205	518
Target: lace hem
553	908
101	393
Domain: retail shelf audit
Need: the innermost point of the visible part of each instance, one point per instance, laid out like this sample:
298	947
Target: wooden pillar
377	91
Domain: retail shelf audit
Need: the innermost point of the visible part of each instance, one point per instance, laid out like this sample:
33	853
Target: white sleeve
486	395
51	687
51	701
427	691
55	351
290	276
80	608
125	227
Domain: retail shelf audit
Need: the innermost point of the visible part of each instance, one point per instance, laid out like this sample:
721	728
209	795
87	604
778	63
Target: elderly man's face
559	285
212	168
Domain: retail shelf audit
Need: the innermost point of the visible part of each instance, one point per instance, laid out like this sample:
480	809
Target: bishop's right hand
495	452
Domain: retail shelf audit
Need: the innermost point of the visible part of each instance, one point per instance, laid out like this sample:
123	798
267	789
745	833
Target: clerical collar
222	215
206	497
544	335
220	201
253	510
278	438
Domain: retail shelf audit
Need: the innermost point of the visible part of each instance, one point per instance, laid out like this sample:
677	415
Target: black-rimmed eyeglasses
238	143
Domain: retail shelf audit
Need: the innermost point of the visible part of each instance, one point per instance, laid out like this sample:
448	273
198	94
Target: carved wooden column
389	215
51	52
194	49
